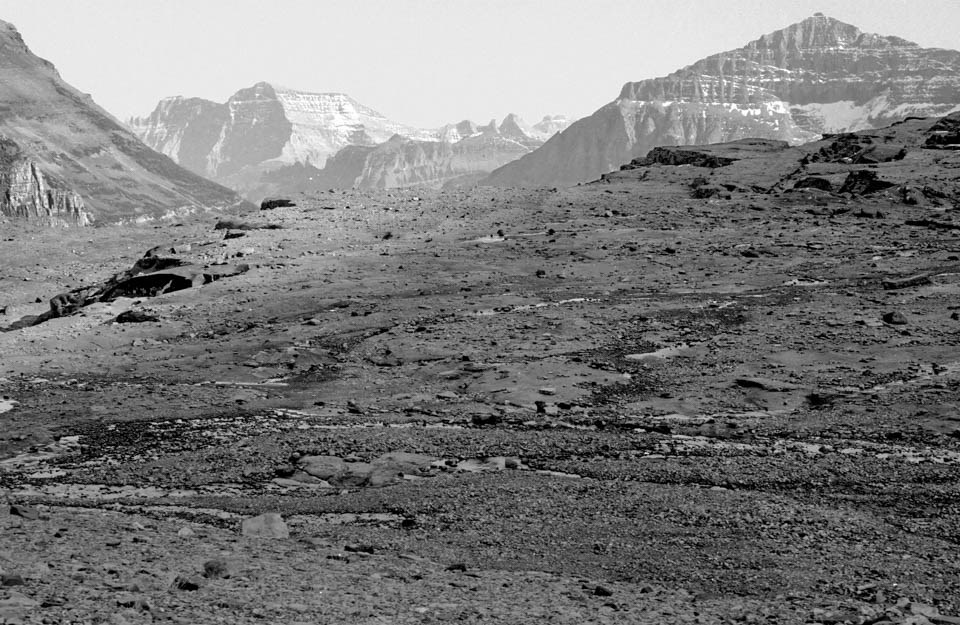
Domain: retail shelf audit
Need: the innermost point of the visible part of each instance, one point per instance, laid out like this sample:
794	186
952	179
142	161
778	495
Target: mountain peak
821	31
9	32
514	127
816	76
818	31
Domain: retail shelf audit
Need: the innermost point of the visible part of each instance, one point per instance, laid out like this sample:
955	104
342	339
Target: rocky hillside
463	154
819	75
64	160
27	194
263	131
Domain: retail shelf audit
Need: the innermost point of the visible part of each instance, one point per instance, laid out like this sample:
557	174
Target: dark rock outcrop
864	182
271	203
945	135
859	149
149	277
676	156
814	182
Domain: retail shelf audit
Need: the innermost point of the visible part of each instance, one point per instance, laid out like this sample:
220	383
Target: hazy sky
421	62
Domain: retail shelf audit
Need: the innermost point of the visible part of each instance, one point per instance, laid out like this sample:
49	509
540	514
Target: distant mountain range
819	75
265	134
64	160
463	155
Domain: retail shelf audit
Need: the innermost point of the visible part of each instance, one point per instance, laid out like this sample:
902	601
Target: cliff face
819	75
185	129
27	195
58	146
262	134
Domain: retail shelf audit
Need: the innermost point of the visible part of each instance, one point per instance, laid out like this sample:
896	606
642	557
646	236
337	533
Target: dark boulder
271	203
706	191
864	182
135	316
232	224
814	182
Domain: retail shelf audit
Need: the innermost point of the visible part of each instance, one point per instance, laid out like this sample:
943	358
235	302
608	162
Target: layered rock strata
817	76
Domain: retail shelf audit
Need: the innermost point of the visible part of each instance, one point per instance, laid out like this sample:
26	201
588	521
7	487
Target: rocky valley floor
613	403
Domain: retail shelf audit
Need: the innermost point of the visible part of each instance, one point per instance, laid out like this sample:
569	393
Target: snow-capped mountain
261	126
265	133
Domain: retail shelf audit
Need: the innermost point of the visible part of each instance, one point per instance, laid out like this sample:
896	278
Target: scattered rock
183	582
905	283
268	525
15	606
486	419
387	469
710	191
894	318
27	512
220	568
766	384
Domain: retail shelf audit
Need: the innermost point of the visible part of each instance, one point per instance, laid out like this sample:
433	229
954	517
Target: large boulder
268	525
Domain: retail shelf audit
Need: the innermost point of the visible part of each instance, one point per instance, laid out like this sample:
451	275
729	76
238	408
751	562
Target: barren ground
628	405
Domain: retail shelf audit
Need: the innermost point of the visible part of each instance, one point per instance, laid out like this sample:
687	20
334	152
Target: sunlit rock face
64	160
817	76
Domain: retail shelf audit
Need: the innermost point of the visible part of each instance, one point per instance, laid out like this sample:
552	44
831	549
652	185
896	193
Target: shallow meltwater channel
665	352
527	307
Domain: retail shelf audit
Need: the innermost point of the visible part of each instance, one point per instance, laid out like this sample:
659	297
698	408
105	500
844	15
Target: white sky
420	62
